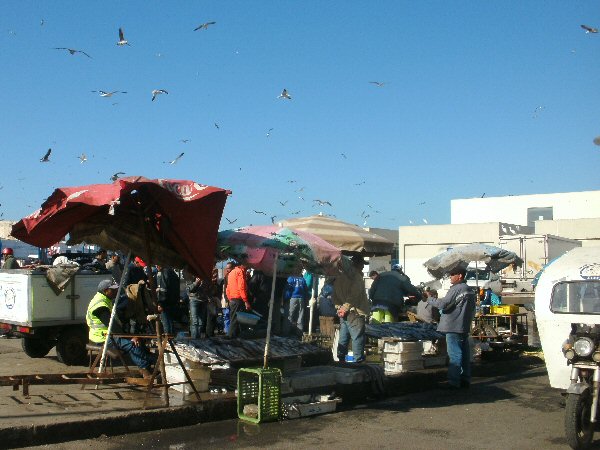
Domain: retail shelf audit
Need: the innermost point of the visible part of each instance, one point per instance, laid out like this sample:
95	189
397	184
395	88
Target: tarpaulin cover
495	258
181	220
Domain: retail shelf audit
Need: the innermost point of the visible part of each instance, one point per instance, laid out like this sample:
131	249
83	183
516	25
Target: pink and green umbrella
284	250
280	251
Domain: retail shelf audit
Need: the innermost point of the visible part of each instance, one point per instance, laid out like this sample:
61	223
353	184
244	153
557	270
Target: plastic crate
260	387
505	309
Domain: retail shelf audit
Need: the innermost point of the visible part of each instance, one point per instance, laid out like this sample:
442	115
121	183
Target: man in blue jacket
296	293
458	310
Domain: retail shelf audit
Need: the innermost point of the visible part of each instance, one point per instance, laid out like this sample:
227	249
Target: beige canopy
345	236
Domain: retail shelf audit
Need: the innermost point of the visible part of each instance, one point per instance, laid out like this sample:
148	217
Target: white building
526	209
572	215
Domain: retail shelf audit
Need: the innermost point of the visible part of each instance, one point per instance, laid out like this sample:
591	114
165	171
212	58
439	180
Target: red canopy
182	220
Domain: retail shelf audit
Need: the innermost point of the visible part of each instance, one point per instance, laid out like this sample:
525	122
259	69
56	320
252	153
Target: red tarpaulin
182	220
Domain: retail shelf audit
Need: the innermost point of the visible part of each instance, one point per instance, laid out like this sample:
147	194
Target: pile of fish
219	350
404	331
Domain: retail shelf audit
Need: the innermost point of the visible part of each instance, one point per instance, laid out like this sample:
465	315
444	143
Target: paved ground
516	411
510	405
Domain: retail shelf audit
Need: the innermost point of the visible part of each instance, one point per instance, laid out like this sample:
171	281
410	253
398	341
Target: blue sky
458	114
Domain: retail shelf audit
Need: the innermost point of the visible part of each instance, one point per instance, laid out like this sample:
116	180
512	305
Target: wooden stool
111	353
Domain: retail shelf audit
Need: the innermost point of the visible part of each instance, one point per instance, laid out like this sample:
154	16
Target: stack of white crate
399	356
199	374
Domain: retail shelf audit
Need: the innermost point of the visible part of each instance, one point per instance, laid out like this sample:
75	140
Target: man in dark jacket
259	287
387	294
167	288
458	310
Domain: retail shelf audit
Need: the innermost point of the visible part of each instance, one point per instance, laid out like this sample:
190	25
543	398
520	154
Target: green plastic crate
261	387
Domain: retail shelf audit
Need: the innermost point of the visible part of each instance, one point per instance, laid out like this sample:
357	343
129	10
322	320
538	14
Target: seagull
259	212
300	189
284	94
175	160
122	40
273	219
216	125
283	203
42	23
422	203
156	92
72	51
366	217
322	202
536	111
482	195
425	221
204	26
230	221
115	176
344	155
301	198
292	181
109	94
269	132
589	29
82	158
378	83
295	213
185	141
46	157
358	184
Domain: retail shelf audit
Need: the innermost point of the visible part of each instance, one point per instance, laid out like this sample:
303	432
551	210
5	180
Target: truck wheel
578	428
70	346
36	348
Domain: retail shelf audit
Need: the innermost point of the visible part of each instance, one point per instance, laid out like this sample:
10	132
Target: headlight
583	346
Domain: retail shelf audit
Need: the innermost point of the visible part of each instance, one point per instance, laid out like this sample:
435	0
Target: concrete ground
510	402
512	409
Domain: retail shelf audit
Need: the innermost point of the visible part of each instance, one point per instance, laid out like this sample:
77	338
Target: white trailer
536	250
30	309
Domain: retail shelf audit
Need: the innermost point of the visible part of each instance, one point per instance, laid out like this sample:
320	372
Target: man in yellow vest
98	318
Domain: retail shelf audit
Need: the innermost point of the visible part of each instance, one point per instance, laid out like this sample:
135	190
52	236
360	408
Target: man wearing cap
458	308
352	304
98	318
387	293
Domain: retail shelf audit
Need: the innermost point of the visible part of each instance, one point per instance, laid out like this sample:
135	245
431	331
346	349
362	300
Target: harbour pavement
62	412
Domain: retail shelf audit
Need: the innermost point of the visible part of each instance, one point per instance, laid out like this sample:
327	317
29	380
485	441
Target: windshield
576	297
481	274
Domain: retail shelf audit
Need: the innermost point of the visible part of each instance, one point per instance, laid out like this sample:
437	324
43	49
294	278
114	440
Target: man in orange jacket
237	293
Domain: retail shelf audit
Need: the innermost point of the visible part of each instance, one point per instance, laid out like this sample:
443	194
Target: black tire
70	346
36	348
578	428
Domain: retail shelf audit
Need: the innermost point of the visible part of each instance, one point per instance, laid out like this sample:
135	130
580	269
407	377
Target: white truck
29	308
536	250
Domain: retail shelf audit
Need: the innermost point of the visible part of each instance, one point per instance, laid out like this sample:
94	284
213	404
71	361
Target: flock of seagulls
285	95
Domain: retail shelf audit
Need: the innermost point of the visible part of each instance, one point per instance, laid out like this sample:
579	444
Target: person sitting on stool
98	318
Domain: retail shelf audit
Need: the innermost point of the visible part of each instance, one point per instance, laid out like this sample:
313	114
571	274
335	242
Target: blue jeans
459	354
140	356
166	317
352	327
197	318
226	320
294	310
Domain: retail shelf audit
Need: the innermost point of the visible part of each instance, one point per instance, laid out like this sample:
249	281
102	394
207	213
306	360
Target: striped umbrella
278	251
345	236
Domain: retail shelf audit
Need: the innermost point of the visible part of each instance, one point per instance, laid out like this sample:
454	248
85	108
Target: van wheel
70	346
36	348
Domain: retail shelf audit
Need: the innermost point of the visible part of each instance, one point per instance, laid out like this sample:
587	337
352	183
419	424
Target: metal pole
270	321
114	310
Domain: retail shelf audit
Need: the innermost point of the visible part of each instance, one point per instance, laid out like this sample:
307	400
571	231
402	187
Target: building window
537	213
